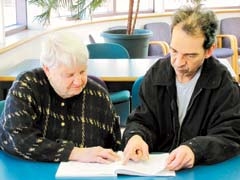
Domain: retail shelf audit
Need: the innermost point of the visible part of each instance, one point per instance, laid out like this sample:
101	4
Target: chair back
98	80
107	51
2	103
161	32
91	39
231	26
120	99
135	92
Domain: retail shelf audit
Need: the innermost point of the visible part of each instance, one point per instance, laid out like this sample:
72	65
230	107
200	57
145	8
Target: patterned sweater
38	124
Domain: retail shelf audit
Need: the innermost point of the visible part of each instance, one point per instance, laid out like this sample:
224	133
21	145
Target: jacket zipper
190	105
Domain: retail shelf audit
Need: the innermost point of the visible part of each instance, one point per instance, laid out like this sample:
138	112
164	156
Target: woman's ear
209	51
46	70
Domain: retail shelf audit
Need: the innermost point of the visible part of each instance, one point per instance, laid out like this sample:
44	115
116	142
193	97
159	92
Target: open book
155	166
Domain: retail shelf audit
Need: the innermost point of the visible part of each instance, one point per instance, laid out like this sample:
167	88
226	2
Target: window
174	4
15	18
9	12
223	4
117	7
15	11
145	5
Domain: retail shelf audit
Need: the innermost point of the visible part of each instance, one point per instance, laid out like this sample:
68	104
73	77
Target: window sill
10	30
17	39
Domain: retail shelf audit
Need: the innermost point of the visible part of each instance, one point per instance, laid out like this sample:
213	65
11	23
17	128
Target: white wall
28	50
2	35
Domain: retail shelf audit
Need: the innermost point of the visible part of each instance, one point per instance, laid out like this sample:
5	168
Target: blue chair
228	52
120	99
107	51
230	26
91	39
1	106
135	92
159	42
98	80
230	34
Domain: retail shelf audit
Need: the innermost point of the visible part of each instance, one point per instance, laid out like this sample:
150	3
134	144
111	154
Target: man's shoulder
161	72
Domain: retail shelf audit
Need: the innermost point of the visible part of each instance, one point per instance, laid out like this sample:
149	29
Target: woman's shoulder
96	84
35	79
33	74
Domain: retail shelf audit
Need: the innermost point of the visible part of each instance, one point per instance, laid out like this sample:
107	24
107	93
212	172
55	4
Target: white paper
155	166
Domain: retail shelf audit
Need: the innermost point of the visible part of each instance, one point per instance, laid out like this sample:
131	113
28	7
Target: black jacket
211	127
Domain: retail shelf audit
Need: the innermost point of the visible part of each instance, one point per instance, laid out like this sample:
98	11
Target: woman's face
66	81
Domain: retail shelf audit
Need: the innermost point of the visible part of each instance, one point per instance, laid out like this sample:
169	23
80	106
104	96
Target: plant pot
136	44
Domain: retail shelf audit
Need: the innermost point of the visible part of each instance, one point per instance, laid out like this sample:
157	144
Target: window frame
21	19
22	23
115	12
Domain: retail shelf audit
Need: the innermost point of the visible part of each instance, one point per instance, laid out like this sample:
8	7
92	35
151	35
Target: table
118	74
13	168
106	69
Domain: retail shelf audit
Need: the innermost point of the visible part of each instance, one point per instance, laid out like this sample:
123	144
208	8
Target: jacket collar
210	77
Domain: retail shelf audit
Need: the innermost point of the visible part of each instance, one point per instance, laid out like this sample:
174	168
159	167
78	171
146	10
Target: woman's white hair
63	47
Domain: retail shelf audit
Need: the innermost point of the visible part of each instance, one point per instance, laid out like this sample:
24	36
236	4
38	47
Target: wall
29	47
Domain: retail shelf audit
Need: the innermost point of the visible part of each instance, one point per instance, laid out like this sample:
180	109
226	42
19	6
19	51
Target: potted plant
78	8
134	40
132	20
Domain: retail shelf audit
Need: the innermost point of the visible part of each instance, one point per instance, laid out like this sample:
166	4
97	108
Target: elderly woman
55	113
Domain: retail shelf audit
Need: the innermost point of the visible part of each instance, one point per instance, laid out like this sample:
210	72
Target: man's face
187	53
67	82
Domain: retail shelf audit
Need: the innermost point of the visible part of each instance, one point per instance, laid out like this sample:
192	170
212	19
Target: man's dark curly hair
195	21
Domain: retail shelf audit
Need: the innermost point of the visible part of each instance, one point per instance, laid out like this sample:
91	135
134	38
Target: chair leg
123	110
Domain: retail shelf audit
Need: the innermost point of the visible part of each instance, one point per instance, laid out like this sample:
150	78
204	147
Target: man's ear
209	51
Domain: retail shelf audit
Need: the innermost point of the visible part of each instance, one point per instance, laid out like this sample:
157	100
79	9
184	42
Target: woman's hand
93	154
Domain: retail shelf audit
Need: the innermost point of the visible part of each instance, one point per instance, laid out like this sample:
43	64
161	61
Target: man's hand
93	154
180	158
136	149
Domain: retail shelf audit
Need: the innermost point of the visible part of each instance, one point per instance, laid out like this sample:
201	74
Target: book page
155	166
75	169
